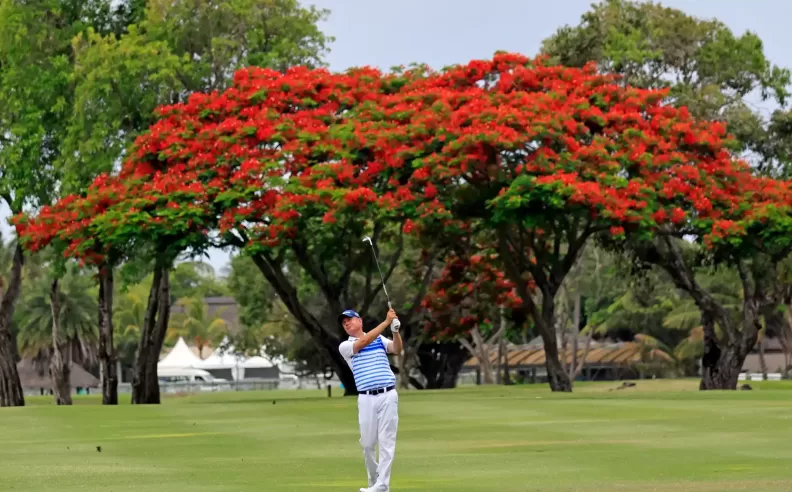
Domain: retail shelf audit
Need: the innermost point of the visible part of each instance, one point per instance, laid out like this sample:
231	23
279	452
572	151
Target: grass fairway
660	436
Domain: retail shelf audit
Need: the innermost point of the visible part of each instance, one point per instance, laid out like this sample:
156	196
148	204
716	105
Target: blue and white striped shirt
370	366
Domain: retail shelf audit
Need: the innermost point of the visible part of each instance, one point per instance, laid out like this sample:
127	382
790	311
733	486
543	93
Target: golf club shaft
376	260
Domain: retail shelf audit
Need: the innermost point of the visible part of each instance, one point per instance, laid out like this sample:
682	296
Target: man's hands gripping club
392	320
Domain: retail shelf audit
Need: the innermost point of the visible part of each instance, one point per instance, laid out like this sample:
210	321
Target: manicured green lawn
660	436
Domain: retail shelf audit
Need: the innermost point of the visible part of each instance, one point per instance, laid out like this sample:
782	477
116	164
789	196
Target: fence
178	387
209	386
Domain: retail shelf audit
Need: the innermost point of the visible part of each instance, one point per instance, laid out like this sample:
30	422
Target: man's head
351	322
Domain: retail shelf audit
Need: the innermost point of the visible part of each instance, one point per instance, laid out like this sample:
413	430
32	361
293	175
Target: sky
386	33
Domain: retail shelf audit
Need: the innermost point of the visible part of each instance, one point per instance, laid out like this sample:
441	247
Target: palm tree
76	322
129	314
196	325
686	316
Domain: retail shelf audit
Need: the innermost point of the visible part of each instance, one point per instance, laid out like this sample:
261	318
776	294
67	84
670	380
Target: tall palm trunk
108	357
59	364
10	387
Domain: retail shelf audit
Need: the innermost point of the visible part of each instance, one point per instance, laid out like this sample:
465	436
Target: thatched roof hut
603	360
624	354
34	377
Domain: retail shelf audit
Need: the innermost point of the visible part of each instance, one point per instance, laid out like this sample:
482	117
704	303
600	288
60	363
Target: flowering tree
297	167
63	227
470	292
547	157
278	165
144	215
738	220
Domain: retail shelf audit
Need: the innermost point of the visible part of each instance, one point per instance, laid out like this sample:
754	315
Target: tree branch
317	274
429	265
515	275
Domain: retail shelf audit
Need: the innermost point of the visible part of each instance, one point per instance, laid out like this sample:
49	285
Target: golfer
366	354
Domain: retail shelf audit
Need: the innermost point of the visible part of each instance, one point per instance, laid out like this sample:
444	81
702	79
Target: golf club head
367	240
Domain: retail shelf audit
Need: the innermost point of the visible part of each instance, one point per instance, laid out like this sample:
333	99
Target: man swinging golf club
378	416
366	354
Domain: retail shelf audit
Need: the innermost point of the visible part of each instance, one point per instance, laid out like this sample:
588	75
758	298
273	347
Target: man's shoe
375	488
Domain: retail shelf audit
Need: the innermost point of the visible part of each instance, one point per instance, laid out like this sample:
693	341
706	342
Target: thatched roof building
604	360
34	377
626	353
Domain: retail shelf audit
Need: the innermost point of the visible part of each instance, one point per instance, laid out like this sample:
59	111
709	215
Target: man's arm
369	337
397	345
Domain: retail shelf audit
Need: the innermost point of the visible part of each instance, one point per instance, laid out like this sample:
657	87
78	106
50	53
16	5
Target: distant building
777	359
224	306
604	361
36	380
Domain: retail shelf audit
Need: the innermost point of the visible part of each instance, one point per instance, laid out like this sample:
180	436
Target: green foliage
707	67
196	325
118	84
174	49
215	37
36	96
129	314
267	323
196	279
77	316
255	296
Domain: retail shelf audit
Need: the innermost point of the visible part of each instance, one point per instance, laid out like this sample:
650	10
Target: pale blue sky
384	33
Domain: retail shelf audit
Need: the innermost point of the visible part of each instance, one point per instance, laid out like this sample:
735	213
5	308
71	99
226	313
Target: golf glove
395	325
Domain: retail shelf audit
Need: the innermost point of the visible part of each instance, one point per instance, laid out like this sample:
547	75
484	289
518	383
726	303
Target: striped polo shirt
370	366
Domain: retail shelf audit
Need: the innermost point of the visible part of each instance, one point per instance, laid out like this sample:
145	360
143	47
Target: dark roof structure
34	377
599	354
225	306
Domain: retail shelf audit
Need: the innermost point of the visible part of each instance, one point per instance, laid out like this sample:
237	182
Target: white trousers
379	420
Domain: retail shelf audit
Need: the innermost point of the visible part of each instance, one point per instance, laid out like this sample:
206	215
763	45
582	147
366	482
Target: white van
181	379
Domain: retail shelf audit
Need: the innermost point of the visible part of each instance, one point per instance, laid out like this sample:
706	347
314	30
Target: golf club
368	239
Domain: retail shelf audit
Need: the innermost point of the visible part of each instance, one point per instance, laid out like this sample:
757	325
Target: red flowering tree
293	177
149	214
737	220
297	167
547	157
63	227
470	293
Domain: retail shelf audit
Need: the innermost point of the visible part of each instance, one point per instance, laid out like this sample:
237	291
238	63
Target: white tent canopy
221	359
227	360
180	357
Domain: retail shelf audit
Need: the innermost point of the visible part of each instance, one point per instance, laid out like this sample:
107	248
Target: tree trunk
324	340
556	375
544	318
60	370
501	354
481	350
440	364
762	362
720	367
722	363
503	359
404	371
584	356
10	387
108	359
575	335
723	359
145	386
